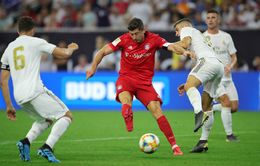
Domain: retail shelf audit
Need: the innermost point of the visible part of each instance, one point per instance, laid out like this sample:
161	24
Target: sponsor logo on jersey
119	87
137	56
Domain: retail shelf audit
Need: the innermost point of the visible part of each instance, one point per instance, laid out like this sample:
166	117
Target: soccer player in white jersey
208	70
21	60
223	46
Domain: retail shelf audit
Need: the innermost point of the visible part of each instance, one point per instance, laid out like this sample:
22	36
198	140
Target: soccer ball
149	143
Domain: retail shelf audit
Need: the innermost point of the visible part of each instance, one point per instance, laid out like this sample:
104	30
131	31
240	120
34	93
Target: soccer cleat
202	146
200	119
177	150
24	151
48	154
128	117
232	138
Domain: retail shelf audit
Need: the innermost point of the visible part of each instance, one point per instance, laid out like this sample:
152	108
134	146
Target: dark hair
135	23
180	21
213	11
25	24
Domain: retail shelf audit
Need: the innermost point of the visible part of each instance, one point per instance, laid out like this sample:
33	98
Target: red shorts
142	91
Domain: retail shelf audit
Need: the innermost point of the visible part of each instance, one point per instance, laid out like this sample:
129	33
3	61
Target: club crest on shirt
130	47
147	46
119	87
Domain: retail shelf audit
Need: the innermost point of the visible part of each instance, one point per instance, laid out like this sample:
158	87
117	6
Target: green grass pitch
100	139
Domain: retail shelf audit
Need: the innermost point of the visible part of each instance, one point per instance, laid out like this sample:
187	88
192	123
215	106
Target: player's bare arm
230	66
184	43
62	53
10	111
180	47
97	59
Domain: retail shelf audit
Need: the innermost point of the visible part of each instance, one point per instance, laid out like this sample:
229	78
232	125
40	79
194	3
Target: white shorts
45	106
209	71
228	87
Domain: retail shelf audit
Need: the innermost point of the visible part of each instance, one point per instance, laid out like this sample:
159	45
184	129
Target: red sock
166	129
125	107
128	116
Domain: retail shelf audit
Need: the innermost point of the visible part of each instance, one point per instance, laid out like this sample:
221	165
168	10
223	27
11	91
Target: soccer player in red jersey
138	48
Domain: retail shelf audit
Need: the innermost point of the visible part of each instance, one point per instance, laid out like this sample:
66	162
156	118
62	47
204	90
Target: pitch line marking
117	138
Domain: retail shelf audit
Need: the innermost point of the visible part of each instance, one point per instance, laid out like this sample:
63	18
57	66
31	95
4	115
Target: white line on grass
118	138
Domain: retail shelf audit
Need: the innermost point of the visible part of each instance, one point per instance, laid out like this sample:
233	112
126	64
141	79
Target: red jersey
137	59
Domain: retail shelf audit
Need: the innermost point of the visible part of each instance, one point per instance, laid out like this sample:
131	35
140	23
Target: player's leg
202	145
149	97
38	127
51	107
233	96
234	106
155	108
193	94
217	107
58	129
195	99
126	99
226	113
124	95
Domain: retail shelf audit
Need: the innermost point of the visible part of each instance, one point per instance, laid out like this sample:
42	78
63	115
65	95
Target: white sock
37	129
206	128
227	119
217	107
195	99
57	130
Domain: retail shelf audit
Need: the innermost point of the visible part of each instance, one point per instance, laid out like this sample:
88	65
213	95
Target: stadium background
86	21
97	135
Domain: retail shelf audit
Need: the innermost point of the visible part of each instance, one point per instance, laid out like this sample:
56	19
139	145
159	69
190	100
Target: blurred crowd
114	14
92	15
111	62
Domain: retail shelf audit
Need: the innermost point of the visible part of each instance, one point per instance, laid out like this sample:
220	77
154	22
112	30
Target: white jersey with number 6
23	56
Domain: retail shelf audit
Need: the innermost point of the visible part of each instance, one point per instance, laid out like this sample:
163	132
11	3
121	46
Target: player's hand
227	69
189	54
73	46
90	73
11	113
181	89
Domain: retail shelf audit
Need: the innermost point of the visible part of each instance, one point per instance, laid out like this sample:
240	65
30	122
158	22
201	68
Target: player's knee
155	109
187	86
234	108
225	102
206	108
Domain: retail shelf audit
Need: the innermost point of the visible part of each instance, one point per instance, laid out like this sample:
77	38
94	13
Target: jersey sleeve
46	47
4	61
162	43
116	44
231	46
186	31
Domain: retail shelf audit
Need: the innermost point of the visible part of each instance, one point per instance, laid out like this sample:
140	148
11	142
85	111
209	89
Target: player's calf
127	114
